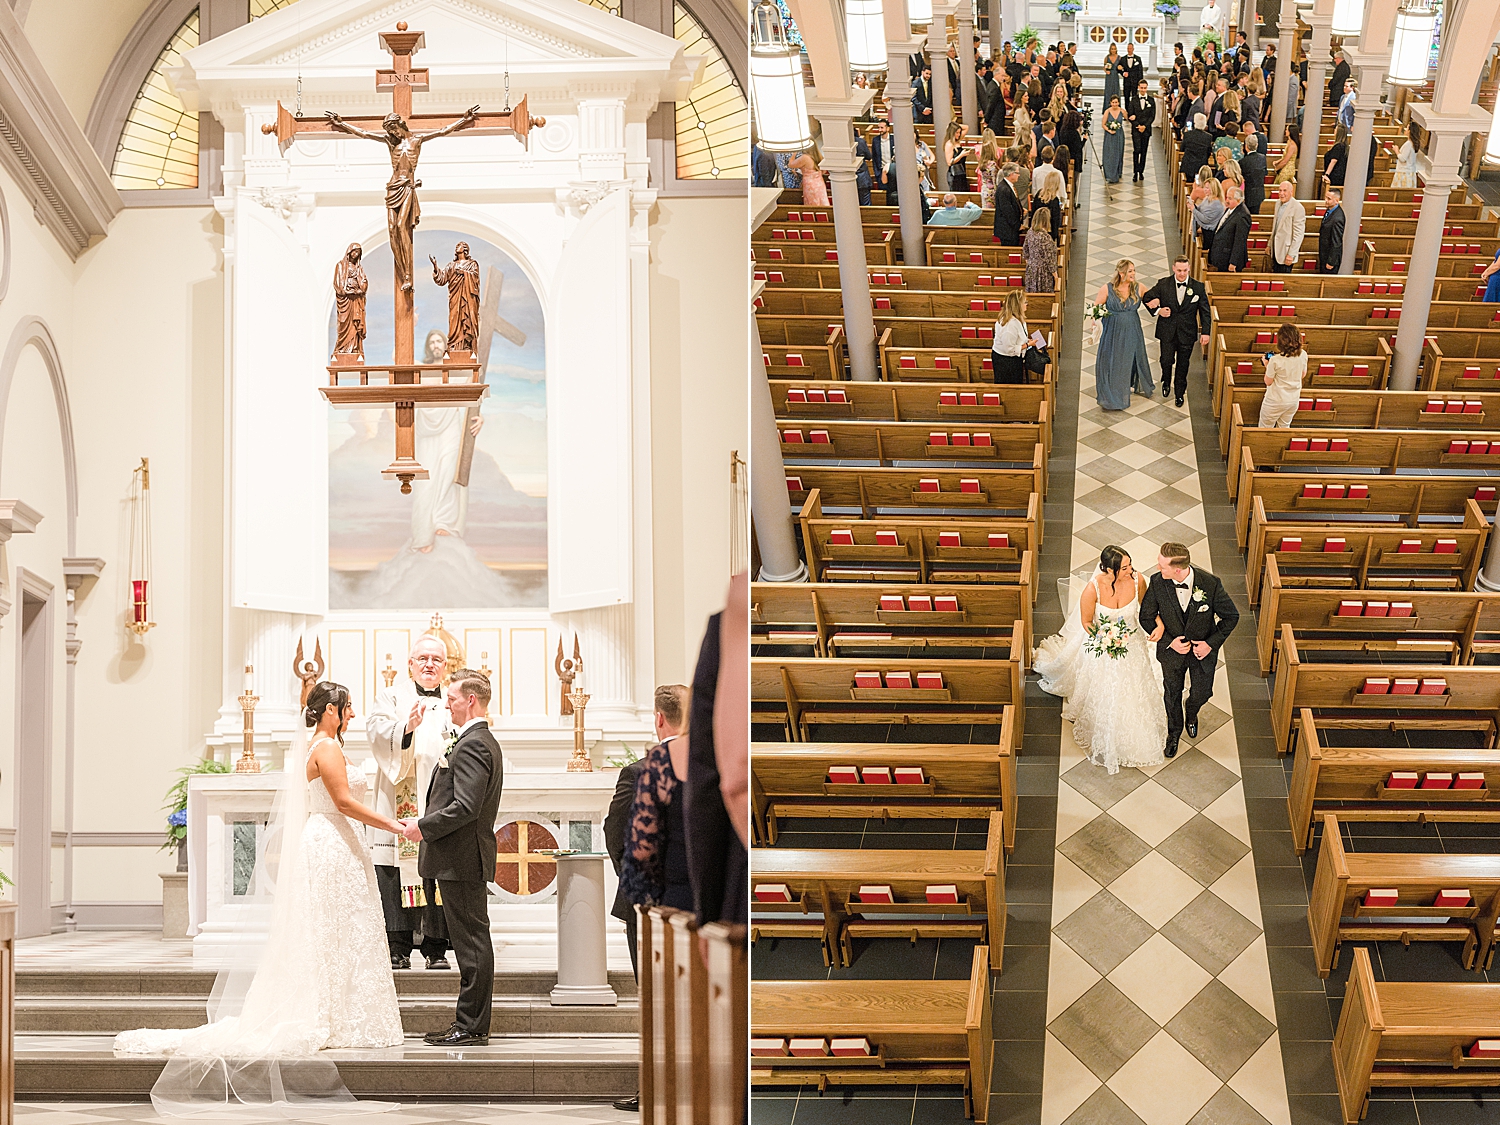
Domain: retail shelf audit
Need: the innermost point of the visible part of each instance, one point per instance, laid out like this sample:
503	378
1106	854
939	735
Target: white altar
1121	22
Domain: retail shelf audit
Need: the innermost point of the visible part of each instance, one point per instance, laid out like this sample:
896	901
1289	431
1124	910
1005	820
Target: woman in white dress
322	979
1113	702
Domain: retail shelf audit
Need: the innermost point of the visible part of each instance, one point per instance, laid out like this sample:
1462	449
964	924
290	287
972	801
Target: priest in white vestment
440	505
1213	18
408	731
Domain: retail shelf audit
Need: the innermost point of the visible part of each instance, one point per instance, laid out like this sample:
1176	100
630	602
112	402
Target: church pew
872	490
826	881
1451	620
917	402
674	1017
728	1021
941	364
976	330
1393	1034
1294	286
916	552
771	253
840	615
802	692
1372	558
959	278
1260	449
789	780
797	361
1461	362
910	441
940	1033
1410	497
1332	693
1469	265
1476	248
1337	912
1346	312
689	999
1352	780
782	340
908	303
1349	372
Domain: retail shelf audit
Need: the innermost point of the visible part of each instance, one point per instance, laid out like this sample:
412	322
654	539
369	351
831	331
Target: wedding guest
950	214
1046	201
1331	233
1008	210
1337	157
1253	165
1195	144
989	165
883	158
1230	249
1208	212
814	186
1287	230
1009	349
1286	167
1142	118
863	181
1404	174
1040	251
1491	279
955	156
1286	368
1346	106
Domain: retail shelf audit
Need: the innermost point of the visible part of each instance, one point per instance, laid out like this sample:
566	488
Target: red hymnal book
847	1048
1473	406
1312	491
898	680
1350	609
945	603
892	602
876	775
992	398
1242	367
945	398
1402	779
762	1048
1403	687
930	680
1338	445
968	398
1469	781
1253	310
794	484
887	539
1318	445
1479	447
937	439
1400	609
893	279
968	485
929	484
1333	545
999	539
1325	369
919	603
809	1048
1380	896
1409	546
1302	403
1434	406
791	437
1323	404
1453	406
1359	492
1297	445
942	363
793	359
942	892
960	439
818	437
1452	897
843	775
1362	370
1458	447
1262	286
1445	547
910	775
1485	1049
1333	492
1377	609
867	679
950	539
1485	494
1290	543
968	332
772	892
1436	780
816	395
983	440
1375	685
876	893
796	394
841	536
1433	687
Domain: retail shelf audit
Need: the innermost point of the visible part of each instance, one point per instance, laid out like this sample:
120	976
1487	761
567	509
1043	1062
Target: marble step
83	1068
512	1015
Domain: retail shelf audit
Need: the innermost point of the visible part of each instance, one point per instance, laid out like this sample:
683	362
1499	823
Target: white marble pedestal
582	972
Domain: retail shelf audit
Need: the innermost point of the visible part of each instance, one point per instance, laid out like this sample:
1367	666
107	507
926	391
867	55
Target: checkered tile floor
1159	1005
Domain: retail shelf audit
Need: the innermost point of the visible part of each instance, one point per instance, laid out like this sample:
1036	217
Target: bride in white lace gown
1114	703
323	977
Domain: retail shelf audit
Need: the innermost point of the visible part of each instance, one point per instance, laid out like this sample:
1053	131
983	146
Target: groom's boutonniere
450	740
1199	596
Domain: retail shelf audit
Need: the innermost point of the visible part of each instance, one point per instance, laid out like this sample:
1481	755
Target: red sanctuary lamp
140	550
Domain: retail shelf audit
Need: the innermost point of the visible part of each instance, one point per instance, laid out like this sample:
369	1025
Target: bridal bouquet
1095	314
1109	637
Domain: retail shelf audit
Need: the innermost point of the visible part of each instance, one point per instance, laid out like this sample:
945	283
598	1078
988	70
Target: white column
1369	71
606	637
1286	23
837	119
770	510
903	140
582	973
942	94
967	84
601	138
997	28
1317	79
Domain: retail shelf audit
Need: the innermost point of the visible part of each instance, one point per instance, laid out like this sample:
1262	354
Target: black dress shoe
457	1038
1192	727
436	1036
440	962
1179	402
1166	389
629	1105
400	962
1169	752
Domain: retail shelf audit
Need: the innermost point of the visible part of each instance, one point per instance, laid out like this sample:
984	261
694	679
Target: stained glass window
260	8
713	124
610	6
159	145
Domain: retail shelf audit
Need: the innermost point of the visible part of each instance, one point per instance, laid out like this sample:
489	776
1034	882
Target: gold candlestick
579	762
247	762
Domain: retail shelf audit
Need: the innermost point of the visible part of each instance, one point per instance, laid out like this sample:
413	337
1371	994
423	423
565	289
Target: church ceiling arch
32	332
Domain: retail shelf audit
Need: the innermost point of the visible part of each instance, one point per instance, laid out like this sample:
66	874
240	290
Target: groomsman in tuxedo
1180	305
883	160
921	97
1141	108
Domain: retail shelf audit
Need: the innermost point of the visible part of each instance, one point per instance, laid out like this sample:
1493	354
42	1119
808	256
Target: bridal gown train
324	980
1115	705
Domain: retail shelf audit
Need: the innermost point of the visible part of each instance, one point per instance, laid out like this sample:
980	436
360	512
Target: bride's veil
259	1048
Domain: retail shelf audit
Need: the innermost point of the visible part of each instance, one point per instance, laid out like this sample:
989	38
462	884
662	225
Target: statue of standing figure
349	287
461	276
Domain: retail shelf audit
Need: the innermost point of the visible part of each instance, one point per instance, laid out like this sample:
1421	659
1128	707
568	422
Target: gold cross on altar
518	843
407	382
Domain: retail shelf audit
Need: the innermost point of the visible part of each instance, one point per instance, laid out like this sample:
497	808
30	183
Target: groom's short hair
477	684
1176	554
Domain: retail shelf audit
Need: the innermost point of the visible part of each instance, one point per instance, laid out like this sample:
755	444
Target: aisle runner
1159	1005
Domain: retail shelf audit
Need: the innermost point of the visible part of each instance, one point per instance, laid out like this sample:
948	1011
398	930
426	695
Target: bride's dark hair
1112	558
317	703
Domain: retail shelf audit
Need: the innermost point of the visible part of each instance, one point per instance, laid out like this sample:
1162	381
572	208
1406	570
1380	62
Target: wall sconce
140	550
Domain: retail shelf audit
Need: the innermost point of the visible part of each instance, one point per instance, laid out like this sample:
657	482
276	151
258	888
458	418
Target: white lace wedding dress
323	980
1115	705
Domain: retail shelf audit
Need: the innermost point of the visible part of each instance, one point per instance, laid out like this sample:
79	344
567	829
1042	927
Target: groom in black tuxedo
1180	305
1187	612
458	850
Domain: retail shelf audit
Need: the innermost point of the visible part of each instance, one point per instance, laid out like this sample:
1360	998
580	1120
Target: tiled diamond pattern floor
1159	1003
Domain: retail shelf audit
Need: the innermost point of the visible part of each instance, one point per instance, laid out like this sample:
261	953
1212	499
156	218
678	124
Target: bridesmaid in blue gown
1114	141
1120	363
1112	73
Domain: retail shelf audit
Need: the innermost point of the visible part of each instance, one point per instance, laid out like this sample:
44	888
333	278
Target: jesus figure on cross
402	212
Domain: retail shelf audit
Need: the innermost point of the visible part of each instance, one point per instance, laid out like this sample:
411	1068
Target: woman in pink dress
814	186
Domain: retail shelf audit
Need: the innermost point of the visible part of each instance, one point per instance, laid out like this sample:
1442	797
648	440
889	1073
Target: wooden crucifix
406	386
